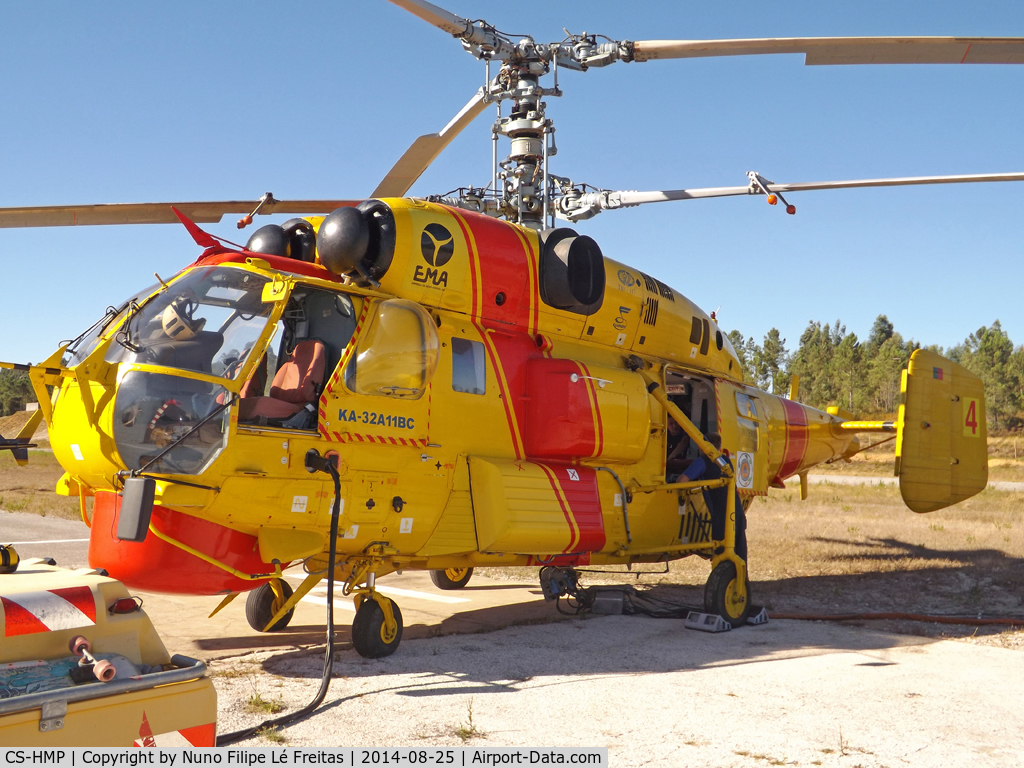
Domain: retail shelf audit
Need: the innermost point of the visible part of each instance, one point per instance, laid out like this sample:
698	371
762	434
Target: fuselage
478	419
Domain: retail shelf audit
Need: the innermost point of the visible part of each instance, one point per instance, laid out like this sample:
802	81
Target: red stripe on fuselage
488	345
580	502
598	426
584	502
561	503
796	439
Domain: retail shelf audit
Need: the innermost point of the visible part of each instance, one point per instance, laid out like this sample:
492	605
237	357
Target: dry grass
1005	462
30	489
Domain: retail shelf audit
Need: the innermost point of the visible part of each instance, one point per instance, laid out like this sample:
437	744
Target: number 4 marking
971	418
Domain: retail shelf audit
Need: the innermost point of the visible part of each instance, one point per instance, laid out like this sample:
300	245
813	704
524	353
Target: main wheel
451	578
721	595
369	634
262	604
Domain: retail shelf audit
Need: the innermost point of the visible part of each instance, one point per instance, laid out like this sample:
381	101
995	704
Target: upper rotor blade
658	196
425	149
847	50
154	213
439	17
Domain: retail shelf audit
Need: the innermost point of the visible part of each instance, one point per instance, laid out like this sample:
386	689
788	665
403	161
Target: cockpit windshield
208	322
83	346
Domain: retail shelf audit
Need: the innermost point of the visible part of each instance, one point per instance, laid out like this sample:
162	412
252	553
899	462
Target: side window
469	368
746	409
397	354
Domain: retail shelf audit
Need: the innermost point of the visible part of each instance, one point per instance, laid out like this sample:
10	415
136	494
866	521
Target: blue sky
134	102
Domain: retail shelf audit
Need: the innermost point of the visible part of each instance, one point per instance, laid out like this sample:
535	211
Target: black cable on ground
323	465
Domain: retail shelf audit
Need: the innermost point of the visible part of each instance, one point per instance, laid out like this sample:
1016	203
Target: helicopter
486	387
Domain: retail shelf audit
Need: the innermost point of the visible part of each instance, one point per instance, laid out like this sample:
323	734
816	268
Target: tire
451	578
367	627
718	594
262	604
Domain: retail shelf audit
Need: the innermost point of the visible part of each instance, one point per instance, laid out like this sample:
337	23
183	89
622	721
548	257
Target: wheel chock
760	618
707	622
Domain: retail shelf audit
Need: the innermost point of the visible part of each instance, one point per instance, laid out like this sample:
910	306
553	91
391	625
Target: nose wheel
451	578
377	627
263	603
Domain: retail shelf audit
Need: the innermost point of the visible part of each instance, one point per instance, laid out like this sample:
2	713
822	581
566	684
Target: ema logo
437	246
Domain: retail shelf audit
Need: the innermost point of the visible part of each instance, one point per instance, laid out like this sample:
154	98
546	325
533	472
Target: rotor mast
522	190
522	182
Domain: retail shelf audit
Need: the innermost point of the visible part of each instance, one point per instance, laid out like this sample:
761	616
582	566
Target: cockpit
222	339
207	322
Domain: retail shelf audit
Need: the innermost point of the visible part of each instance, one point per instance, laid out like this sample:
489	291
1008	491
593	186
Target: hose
966	620
325	680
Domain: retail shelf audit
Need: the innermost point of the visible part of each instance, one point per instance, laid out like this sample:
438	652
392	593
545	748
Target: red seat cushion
253	407
296	383
299	379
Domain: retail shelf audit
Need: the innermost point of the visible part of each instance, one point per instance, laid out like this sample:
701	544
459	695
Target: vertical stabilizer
942	442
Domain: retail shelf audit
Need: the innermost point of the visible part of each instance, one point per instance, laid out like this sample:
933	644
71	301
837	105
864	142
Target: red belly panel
158	566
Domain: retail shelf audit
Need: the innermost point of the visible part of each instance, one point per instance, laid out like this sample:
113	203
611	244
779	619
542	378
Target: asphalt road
66	541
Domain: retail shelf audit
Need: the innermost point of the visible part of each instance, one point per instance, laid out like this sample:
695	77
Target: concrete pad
656	694
482	606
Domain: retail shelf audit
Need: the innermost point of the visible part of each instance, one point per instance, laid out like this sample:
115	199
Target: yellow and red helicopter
485	388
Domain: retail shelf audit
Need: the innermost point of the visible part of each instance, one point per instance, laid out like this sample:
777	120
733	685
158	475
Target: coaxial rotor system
522	189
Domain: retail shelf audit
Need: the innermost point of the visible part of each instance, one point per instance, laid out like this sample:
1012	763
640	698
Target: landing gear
451	578
371	636
265	601
721	595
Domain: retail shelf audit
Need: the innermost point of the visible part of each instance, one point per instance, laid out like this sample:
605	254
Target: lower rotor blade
425	149
154	213
658	196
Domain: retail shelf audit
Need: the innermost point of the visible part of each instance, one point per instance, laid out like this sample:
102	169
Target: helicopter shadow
558	653
489	649
541	649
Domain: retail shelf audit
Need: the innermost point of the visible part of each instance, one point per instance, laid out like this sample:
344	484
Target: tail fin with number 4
941	443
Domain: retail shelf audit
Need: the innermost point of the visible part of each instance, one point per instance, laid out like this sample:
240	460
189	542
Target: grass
1004	461
848	548
257	704
273	735
468	730
30	488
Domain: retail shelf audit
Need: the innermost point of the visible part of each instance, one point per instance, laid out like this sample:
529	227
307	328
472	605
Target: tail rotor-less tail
941	439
